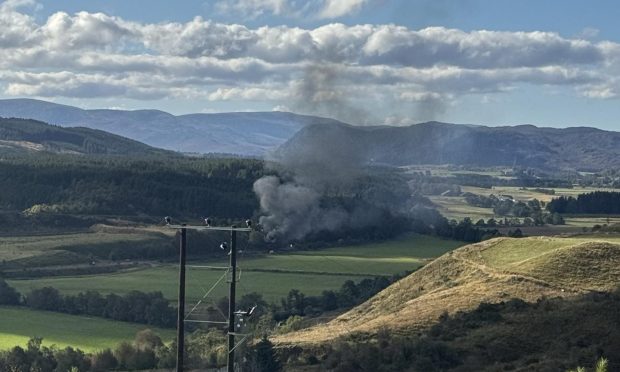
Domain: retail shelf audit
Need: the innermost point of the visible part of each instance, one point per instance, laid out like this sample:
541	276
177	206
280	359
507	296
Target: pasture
73	248
271	275
90	334
455	207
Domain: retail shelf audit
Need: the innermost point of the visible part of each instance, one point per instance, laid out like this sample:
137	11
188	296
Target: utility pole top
200	227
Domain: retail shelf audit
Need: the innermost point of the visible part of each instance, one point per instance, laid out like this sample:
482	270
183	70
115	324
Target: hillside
488	272
439	143
129	186
22	135
245	133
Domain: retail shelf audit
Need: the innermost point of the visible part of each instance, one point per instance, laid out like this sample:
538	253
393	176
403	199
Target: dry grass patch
491	271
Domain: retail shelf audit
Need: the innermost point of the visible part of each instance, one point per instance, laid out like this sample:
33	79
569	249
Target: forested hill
578	148
128	185
22	135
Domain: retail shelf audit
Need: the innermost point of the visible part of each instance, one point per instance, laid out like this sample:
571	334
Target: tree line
146	352
137	307
598	202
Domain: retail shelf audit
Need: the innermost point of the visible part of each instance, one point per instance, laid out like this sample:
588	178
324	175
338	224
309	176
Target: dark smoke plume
324	184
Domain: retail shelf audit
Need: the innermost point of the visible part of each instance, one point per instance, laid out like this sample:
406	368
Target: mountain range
21	136
242	133
257	133
579	148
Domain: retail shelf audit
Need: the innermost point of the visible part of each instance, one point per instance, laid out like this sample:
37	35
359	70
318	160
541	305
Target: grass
511	252
17	325
525	195
587	221
455	207
271	275
272	286
492	271
53	249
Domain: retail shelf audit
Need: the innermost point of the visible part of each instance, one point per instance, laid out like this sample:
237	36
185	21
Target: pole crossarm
217	228
208	267
206	321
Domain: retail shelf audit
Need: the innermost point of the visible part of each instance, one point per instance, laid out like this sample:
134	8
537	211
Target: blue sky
494	62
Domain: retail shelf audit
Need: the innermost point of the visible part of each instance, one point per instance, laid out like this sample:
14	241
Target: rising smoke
325	91
314	174
324	184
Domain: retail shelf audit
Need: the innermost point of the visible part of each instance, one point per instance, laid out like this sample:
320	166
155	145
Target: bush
8	295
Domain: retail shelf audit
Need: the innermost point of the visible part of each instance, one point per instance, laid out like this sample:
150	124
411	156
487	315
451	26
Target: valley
350	246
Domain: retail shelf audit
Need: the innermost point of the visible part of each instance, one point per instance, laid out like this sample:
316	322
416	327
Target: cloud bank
329	70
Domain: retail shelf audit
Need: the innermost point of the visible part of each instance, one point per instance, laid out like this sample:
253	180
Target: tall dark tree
266	360
8	294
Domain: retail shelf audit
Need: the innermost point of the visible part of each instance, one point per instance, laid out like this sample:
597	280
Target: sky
367	62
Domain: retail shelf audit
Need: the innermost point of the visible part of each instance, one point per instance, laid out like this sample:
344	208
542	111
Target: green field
271	275
62	249
17	325
455	207
586	221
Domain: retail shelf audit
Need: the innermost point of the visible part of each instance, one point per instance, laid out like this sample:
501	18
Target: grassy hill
489	272
22	135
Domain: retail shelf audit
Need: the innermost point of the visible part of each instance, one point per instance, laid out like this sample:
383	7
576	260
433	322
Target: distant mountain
244	133
24	135
440	143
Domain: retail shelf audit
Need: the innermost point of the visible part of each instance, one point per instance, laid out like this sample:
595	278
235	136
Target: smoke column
318	169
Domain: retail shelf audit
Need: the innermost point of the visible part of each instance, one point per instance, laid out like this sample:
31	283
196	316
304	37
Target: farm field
271	275
524	195
586	221
18	324
67	249
446	171
455	207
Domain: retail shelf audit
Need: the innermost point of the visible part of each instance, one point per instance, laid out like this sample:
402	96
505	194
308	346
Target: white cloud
281	108
339	8
318	9
253	8
247	93
334	68
16	28
85	30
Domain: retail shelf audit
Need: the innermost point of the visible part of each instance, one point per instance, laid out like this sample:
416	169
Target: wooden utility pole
231	299
181	309
232	288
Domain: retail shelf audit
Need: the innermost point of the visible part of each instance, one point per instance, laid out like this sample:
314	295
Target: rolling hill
244	133
23	135
489	272
440	143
